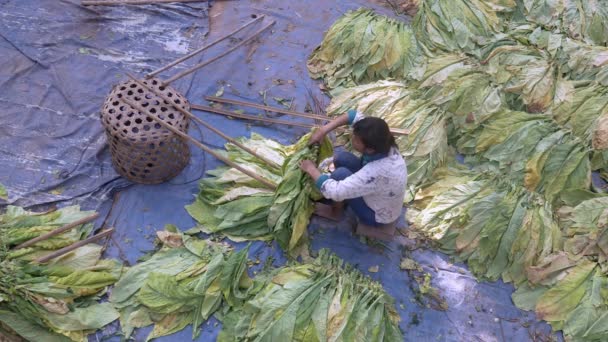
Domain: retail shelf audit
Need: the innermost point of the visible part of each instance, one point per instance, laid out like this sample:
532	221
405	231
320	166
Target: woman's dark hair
374	134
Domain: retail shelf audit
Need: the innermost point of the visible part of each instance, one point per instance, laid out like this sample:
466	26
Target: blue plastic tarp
59	60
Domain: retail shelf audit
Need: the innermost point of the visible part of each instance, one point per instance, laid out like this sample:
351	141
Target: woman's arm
318	135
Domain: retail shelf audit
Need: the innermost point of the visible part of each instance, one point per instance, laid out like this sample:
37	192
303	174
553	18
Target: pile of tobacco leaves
58	300
235	205
189	279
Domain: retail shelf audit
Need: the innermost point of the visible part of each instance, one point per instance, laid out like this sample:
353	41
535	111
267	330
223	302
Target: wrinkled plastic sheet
58	62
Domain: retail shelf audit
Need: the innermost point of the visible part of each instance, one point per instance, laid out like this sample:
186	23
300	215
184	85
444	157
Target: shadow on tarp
59	60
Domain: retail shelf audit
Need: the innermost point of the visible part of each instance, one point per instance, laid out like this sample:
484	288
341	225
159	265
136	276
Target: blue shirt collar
368	158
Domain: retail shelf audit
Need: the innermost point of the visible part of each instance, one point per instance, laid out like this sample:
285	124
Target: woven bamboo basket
142	150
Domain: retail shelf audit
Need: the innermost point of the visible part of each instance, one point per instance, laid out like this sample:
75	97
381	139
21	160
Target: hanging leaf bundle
57	301
459	25
425	147
241	208
364	47
319	301
498	227
183	283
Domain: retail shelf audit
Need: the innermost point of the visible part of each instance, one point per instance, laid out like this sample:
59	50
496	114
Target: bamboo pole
395	131
58	231
197	143
250	117
74	246
192	54
256	118
200	121
267	108
130	2
207	62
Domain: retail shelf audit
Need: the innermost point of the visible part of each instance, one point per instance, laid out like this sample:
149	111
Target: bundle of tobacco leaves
503	231
364	47
498	227
56	301
459	25
586	115
528	72
585	20
574	300
185	282
319	301
531	151
584	62
568	289
234	204
239	207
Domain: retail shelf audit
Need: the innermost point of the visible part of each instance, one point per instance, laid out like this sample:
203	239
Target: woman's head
372	135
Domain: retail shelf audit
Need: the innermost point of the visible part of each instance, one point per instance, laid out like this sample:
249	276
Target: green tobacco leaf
559	301
170	262
29	330
170	324
87	318
86	279
3	193
162	294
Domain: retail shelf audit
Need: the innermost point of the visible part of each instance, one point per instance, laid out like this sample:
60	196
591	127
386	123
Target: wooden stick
250	117
395	131
58	231
198	66
197	143
130	2
200	121
267	108
190	55
74	246
256	118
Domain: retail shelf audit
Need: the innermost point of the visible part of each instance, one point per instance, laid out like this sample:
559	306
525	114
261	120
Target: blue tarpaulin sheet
59	60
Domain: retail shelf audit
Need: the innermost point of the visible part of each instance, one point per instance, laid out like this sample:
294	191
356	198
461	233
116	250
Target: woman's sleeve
357	185
354	116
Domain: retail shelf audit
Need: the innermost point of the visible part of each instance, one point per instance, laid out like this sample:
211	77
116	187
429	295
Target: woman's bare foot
331	212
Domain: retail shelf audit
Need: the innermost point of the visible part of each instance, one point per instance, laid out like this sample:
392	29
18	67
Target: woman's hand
307	166
317	136
311	169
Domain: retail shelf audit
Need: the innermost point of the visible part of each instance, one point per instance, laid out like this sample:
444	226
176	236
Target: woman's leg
365	214
341	173
347	160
